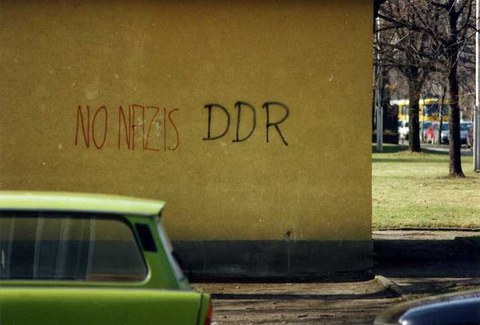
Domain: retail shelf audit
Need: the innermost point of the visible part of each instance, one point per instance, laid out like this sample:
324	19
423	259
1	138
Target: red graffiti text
134	127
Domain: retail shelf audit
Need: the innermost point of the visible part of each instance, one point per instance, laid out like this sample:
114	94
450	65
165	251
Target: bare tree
453	35
407	49
430	37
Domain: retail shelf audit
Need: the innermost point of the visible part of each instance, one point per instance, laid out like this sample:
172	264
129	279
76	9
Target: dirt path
299	303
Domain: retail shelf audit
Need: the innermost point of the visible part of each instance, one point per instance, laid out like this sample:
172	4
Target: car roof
78	202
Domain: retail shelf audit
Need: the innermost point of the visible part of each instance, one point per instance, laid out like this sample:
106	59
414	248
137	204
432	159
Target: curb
390	285
446	229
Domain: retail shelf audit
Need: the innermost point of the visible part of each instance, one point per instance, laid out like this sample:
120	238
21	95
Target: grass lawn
413	191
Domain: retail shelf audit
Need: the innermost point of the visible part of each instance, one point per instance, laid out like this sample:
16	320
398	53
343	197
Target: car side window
68	246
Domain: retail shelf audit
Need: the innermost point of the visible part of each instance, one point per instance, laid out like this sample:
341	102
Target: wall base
273	260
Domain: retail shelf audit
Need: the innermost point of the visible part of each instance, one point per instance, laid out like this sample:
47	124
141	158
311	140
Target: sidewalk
408	265
444	148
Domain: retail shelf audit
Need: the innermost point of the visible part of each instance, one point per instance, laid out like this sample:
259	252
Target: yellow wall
314	57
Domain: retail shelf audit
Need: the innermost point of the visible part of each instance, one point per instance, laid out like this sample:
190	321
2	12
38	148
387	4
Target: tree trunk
415	87
455	165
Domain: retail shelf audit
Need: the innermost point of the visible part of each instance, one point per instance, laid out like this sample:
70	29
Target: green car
90	259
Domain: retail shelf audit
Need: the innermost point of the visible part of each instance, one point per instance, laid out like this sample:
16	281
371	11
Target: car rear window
68	246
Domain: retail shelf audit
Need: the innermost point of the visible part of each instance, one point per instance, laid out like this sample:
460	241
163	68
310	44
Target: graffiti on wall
153	128
246	114
136	127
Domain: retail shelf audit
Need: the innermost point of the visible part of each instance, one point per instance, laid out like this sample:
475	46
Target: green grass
413	191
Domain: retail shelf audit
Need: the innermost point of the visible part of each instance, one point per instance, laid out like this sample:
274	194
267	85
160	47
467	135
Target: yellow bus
429	109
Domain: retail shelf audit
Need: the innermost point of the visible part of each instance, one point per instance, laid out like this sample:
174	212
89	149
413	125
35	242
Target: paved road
444	148
465	151
429	263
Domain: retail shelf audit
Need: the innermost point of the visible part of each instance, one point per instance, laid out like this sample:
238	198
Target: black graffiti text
219	120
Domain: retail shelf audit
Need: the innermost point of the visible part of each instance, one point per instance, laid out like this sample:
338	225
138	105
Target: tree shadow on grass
432	155
409	161
435	152
394	148
390	148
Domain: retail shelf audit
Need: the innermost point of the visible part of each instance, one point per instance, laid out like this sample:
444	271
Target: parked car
90	259
450	309
464	129
443	134
470	137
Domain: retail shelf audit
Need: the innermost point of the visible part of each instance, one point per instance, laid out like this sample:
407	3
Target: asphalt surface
409	264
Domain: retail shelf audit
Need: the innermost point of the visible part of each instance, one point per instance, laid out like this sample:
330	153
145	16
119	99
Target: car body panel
20	305
450	309
63	201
